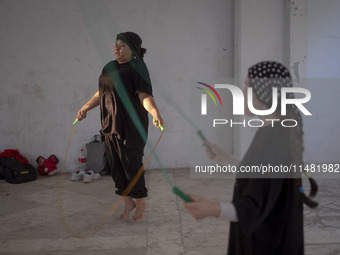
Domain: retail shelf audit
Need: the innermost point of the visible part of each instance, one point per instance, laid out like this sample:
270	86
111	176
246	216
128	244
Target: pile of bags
15	168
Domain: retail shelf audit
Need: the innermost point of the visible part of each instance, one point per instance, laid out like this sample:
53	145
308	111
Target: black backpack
14	171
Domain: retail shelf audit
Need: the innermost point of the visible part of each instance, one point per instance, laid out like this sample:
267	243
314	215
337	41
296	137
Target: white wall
313	54
304	35
52	53
322	140
259	36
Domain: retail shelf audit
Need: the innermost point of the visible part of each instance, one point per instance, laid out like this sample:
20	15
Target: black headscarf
134	42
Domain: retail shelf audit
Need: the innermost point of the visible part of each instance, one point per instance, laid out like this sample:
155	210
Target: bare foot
129	206
140	209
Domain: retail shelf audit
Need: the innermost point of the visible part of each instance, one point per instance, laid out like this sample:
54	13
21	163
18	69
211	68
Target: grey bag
96	159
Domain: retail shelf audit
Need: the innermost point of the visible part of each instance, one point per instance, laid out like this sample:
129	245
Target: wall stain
11	101
293	6
295	68
330	37
294	9
296	71
33	90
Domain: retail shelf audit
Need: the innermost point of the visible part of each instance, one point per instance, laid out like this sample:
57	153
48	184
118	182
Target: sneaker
77	175
90	176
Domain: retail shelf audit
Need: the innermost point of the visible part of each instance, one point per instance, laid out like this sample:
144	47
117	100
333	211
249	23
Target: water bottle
82	159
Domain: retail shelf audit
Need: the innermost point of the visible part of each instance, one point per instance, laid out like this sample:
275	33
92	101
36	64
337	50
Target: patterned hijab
264	76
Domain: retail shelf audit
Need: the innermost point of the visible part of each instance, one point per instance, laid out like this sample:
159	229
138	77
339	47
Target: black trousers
124	163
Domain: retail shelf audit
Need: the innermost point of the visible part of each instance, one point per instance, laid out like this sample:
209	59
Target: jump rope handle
75	122
182	195
161	127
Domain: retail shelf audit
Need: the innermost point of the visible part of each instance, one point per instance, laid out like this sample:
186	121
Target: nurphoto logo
239	103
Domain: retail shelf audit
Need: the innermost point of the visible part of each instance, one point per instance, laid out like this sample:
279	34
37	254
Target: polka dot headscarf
264	76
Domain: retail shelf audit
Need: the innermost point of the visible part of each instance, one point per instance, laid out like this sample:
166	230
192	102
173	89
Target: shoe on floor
90	176
77	175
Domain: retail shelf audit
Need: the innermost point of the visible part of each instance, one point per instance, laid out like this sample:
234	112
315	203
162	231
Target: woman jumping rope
124	144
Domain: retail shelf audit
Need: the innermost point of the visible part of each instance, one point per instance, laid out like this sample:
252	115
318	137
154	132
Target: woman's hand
93	102
81	114
202	208
150	105
158	121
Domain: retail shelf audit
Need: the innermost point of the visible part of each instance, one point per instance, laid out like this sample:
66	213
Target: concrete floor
53	215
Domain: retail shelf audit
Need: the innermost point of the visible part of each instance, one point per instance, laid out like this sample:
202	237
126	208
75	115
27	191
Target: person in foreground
266	212
124	95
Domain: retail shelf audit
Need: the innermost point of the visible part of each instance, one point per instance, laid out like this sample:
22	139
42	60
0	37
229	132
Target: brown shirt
121	111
